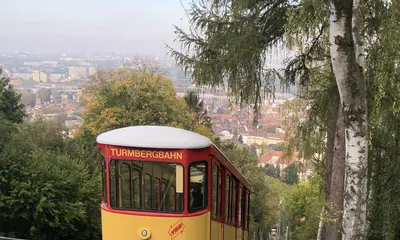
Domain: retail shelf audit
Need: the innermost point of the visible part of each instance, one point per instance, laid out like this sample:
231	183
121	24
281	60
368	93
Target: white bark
321	224
357	38
347	61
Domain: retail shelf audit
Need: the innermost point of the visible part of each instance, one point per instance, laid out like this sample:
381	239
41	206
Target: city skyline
122	26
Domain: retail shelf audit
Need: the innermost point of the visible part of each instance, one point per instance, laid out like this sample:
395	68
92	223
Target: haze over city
99	26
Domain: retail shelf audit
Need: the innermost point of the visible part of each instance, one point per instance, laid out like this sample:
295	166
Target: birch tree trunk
346	48
321	224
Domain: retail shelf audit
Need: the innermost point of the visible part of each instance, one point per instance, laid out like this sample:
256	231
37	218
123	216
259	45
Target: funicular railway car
167	183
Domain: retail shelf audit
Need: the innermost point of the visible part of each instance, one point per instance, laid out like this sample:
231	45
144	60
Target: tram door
216	201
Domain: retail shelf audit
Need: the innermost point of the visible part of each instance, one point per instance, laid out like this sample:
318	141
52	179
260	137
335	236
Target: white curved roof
154	137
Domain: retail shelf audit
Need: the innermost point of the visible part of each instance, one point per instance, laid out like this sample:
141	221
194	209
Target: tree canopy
44	192
228	44
11	108
123	98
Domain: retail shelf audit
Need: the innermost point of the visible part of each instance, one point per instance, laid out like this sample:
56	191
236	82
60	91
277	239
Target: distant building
249	140
38	101
44	77
73	123
77	72
51	63
91	71
40	77
36	75
225	135
23	76
56	77
32	64
15	82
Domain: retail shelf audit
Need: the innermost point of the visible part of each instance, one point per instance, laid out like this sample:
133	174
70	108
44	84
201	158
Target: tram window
147	191
125	180
248	210
227	199
220	194
128	192
156	193
136	188
215	191
197	186
241	205
103	178
233	208
113	184
164	197
171	202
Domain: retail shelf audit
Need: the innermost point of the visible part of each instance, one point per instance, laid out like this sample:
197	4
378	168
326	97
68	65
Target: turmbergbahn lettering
145	154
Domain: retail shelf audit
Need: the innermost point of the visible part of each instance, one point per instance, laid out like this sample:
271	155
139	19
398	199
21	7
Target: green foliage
47	135
302	210
44	193
201	122
383	79
11	108
124	98
51	110
291	174
84	146
44	94
197	109
231	45
27	97
272	171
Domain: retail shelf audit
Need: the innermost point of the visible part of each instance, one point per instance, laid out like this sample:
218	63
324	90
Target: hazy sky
121	26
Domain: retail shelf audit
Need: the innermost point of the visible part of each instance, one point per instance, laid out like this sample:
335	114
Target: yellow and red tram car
167	183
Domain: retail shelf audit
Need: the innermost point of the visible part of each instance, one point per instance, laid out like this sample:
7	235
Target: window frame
205	186
135	165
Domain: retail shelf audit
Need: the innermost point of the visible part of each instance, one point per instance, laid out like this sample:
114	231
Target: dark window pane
214	210
113	184
197	186
227	199
234	185
240	208
133	188
136	188
103	180
156	193
125	180
147	191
